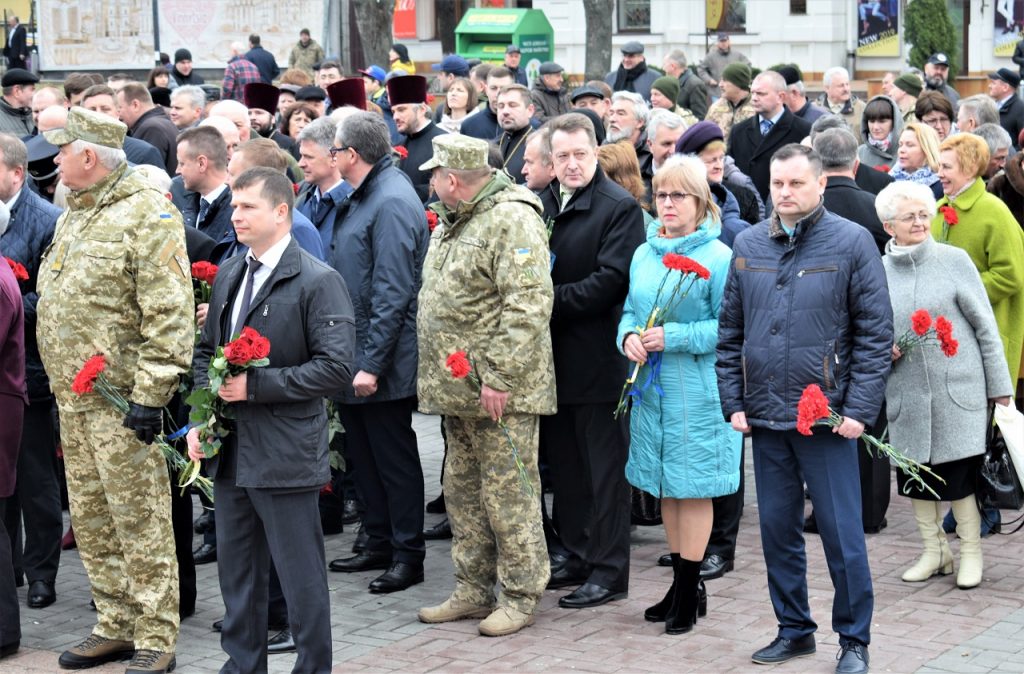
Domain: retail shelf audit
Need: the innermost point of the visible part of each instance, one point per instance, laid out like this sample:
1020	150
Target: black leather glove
147	422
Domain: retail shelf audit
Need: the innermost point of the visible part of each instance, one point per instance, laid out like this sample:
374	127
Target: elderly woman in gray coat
938	405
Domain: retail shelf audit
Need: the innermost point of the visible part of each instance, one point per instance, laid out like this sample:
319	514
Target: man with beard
629	114
515	114
632	74
484	124
261	99
936	72
408	96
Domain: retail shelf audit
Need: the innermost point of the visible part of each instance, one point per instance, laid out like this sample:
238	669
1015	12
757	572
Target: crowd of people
602	291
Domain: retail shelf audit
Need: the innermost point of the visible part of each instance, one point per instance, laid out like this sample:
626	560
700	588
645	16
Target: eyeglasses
910	218
675	197
335	150
937	120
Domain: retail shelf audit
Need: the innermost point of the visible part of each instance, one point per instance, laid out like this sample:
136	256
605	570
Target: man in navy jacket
807	303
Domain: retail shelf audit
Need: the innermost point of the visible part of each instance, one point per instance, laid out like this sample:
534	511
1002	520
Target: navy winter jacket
28	234
808	309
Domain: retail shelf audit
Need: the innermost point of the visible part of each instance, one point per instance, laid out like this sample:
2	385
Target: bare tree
373	19
599	37
446	24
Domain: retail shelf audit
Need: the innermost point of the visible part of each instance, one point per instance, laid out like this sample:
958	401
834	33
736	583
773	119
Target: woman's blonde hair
971	152
619	163
689	174
928	139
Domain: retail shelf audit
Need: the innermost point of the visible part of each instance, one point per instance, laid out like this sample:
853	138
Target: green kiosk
484	33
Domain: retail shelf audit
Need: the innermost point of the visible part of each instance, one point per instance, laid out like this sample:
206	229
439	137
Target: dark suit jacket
1011	118
138	151
305	311
157	129
753	152
844	198
16	50
872	180
264	62
217	223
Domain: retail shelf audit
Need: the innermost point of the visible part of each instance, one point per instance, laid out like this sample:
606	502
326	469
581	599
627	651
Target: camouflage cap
89	126
456	151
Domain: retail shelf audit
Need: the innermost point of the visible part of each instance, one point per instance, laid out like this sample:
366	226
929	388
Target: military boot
453	609
147	662
95	651
505	620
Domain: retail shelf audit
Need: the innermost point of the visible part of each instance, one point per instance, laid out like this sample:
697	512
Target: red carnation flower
813	405
920	321
431	220
85	380
674	261
238	352
430	99
20	273
459	365
401	151
949	215
694	267
944	331
295	188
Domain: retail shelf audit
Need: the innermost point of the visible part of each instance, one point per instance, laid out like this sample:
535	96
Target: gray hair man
663	130
693	92
324	189
538	170
976	110
187	105
868	179
999	145
839	99
628	117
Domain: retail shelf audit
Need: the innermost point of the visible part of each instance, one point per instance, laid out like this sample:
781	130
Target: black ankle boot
702	599
657	613
682	614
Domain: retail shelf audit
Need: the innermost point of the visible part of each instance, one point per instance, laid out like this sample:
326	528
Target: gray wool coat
938	406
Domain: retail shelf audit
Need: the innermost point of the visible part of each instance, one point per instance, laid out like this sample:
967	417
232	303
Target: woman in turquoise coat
681	449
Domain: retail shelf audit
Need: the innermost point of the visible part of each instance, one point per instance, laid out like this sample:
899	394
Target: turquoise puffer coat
680	446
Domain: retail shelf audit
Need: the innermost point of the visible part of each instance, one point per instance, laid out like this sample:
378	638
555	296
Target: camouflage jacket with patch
116	280
487	291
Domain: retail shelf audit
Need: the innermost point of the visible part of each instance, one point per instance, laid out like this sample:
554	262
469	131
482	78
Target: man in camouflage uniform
487	291
116	281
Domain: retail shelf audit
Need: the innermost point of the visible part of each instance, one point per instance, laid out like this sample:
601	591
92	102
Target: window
634	16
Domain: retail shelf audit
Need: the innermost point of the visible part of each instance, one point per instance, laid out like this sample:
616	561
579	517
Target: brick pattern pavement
929	627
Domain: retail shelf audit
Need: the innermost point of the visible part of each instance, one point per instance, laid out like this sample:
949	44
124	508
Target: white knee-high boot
936	558
968	528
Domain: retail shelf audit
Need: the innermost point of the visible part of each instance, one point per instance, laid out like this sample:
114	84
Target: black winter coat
753	152
483	125
380	240
305	312
264	62
1011	118
29	232
421	150
157	129
845	199
592	244
871	180
138	151
811	309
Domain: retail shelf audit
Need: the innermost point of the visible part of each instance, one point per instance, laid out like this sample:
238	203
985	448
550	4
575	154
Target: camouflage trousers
496	525
121	512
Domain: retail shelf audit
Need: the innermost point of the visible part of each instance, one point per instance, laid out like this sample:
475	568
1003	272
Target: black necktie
323	204
243	310
204	210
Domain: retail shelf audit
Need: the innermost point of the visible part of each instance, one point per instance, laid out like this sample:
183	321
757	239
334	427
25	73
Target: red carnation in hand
20	273
238	352
694	267
86	377
944	331
401	151
920	321
431	220
813	405
949	215
459	365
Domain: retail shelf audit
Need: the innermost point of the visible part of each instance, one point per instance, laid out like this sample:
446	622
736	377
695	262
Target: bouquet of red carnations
922	330
689	271
250	349
90	379
814	410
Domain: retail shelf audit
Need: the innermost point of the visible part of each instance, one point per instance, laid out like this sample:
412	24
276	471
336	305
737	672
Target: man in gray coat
718	57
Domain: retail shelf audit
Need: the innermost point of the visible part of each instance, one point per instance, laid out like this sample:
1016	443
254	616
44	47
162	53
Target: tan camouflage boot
453	609
146	662
505	620
95	651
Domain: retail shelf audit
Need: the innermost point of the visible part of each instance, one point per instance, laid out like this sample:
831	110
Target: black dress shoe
810	524
218	625
665	560
363	561
589	595
715	566
853	659
361	541
782	650
203	523
349	512
439	532
41	593
557	560
282	642
565	576
398	577
205	554
875	530
10	649
437	506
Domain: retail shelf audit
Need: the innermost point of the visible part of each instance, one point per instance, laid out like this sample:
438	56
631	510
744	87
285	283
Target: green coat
987	230
487	291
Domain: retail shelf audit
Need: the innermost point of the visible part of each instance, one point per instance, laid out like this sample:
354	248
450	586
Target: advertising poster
878	31
1009	28
726	16
404	19
118	34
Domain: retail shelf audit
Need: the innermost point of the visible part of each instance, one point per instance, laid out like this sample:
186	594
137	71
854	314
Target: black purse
998	483
645	510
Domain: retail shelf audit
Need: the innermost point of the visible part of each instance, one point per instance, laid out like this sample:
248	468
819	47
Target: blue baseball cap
454	64
376	72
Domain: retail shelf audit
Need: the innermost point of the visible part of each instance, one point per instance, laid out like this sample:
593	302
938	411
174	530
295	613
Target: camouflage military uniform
726	115
116	281
487	290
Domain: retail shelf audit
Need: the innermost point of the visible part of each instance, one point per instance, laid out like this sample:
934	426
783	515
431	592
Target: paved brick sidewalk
929	627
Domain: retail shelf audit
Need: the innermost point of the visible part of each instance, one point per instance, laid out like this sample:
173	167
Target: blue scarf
922	176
